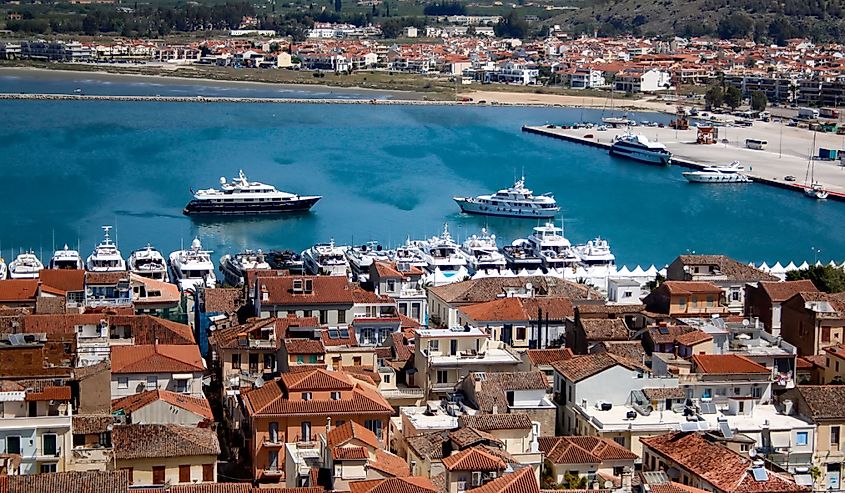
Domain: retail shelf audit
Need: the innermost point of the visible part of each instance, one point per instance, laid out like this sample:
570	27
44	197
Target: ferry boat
731	173
66	259
596	253
639	148
242	196
105	257
361	257
25	266
444	260
550	245
520	256
516	201
234	267
286	260
149	262
483	254
193	268
325	259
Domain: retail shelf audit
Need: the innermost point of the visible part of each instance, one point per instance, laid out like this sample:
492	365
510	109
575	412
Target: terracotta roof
156	358
583	450
304	346
490	288
402	350
728	267
83	424
585	366
489	422
824	401
473	459
410	484
106	277
207	488
350	430
63	280
147	329
726	364
132	403
674	487
223	300
349	340
604	329
387	269
70	482
693	337
632	350
429	445
469	436
17	290
549	356
691	287
517	308
350	453
143	441
519	481
317	379
492	387
389	464
609	309
326	290
50	393
782	291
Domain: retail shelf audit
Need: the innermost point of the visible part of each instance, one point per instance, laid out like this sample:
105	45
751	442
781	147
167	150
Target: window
324	317
269	362
386	378
158	474
49	444
300	359
834	435
129	472
620	441
273	460
521	333
391	285
48	467
801	438
756	392
208	473
306	396
152	382
123	382
306	313
13	445
434	345
825	334
356	361
341	316
273	430
335	396
742	406
184	473
181	386
236	361
305	428
837	367
374	425
442	376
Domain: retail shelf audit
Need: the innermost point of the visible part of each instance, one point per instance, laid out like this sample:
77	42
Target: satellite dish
752	453
222	180
745	322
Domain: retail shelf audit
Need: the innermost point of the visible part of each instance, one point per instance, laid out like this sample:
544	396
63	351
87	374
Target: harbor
785	154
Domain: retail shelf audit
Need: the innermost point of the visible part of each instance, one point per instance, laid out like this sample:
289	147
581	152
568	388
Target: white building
586	78
173	367
638	80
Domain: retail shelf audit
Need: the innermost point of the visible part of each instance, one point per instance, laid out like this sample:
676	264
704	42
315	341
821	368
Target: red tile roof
146	441
489	422
326	290
583	450
782	291
410	484
132	403
348	431
156	358
50	393
691	287
389	464
69	482
549	356
63	280
585	366
726	364
519	481
350	453
17	290
519	309
316	379
304	346
473	459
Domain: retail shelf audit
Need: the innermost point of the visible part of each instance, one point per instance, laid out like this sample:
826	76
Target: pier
786	153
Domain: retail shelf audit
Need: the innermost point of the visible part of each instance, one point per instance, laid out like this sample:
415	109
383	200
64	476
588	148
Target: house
177	368
824	407
409	484
689	458
542	359
471	468
19	292
68	482
445	356
216	308
69	283
92	447
403	283
516	431
37	355
584	333
511	392
164	407
594	459
636	80
730	275
834	364
623	291
521	480
812	321
686	298
681	340
107	289
764	301
329	298
299	407
154	297
586	78
520	322
298	353
154	454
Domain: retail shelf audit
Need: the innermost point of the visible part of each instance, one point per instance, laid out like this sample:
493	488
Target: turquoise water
385	172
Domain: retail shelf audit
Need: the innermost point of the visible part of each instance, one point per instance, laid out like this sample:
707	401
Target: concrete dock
786	152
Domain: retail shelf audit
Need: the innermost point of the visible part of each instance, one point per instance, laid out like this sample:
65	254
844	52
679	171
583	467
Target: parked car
788	178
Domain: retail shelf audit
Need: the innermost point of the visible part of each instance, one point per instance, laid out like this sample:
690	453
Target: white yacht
812	188
596	253
521	258
325	259
444	259
639	148
483	254
241	196
193	268
816	191
25	266
234	267
550	245
731	173
360	259
516	201
411	254
4	270
105	257
66	259
149	262
286	260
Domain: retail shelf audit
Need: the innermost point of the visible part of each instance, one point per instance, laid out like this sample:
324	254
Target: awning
781	439
183	376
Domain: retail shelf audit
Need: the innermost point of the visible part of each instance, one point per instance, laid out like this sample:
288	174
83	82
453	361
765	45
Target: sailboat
614	121
812	188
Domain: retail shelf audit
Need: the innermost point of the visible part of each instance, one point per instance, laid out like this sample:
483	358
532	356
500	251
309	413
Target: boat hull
656	158
692	177
205	207
490	210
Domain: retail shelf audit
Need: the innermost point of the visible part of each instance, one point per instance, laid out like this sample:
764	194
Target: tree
714	97
736	25
658	280
759	101
574	482
338	5
733	97
511	26
825	278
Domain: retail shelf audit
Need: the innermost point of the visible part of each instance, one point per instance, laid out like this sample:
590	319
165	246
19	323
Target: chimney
328	424
627	476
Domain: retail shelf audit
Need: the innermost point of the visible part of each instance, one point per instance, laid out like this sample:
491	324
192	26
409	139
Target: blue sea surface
386	173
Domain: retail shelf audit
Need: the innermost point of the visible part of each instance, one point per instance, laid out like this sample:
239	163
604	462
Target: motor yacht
731	173
193	268
25	266
411	254
483	254
550	245
326	259
286	260
149	262
520	257
596	253
105	257
515	201
241	196
361	257
444	260
639	148
66	258
234	267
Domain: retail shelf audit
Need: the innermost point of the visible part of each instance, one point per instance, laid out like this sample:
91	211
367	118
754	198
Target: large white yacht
25	266
483	254
550	245
516	201
730	173
639	148
66	258
326	259
444	259
241	196
360	259
287	260
193	268
521	258
411	254
149	262
105	257
234	267
596	253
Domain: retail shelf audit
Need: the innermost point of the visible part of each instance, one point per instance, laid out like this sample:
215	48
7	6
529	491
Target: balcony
25	422
403	392
270	442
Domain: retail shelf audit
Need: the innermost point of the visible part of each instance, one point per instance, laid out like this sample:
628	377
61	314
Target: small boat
639	148
816	191
242	196
193	268
66	259
105	257
326	259
149	262
443	258
812	188
731	173
234	267
286	260
25	266
515	201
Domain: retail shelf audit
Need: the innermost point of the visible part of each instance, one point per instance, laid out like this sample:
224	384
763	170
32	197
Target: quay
786	154
222	99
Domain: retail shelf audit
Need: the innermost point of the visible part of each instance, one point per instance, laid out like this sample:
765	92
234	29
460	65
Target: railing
400	392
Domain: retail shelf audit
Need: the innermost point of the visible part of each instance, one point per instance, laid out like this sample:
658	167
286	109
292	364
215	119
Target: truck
829	112
808	113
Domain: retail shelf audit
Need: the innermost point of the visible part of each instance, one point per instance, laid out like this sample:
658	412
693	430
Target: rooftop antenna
54	239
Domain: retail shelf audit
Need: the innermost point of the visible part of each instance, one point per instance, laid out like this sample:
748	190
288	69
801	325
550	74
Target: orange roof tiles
132	403
343	434
156	358
18	290
473	459
410	484
519	481
389	464
726	364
